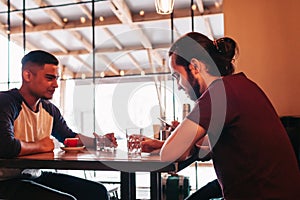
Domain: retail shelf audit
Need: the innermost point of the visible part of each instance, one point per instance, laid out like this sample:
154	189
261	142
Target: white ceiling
123	41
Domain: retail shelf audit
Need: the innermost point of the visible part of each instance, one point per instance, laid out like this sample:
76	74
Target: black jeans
209	191
52	186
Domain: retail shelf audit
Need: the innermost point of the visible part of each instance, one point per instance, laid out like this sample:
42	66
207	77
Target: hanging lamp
164	7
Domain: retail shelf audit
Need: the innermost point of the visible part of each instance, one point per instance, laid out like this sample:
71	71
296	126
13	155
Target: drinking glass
104	144
100	143
134	138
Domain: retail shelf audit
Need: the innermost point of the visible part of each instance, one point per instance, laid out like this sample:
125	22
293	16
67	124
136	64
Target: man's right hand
46	144
149	145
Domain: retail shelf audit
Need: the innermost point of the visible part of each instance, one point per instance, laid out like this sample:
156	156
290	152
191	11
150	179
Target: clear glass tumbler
134	138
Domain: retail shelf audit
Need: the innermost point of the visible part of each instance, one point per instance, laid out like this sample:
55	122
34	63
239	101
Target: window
120	105
10	76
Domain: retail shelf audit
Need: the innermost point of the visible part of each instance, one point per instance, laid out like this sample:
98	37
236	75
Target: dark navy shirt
19	122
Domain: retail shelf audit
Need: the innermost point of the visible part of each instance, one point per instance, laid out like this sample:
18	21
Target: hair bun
225	50
226	46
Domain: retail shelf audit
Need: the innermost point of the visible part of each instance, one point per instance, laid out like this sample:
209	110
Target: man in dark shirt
251	152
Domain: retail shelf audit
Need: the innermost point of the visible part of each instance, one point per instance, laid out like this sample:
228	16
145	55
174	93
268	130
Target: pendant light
164	7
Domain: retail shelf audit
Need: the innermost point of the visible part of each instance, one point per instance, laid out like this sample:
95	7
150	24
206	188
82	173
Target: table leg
155	185
128	186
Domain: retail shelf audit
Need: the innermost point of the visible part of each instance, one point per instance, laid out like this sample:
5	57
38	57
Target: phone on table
164	121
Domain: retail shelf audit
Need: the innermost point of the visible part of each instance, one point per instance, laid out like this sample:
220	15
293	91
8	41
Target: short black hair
39	57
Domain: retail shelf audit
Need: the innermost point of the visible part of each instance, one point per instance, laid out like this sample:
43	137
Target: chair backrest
292	127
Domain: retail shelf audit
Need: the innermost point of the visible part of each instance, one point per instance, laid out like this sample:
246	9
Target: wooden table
92	160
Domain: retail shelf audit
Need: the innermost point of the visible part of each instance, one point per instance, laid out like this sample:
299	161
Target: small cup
100	143
71	142
134	138
104	144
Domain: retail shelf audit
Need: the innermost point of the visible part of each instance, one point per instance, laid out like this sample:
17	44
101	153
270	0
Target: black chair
292	127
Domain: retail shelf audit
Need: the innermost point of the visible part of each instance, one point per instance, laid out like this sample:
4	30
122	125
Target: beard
194	89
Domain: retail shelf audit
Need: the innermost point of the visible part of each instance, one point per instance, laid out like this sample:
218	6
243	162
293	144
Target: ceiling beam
109	74
200	5
109	64
118	44
121	10
110	50
51	13
57	19
112	37
112	20
56	42
134	62
143	37
69	25
84	9
177	13
156	56
122	15
19	41
20	15
59	22
85	64
87	45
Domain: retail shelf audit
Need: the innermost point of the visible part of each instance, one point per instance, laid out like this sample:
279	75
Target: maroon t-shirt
251	151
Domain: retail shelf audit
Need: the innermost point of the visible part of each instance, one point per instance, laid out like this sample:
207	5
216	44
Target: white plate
73	149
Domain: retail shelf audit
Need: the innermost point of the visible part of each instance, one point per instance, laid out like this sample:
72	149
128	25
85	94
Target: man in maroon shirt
251	152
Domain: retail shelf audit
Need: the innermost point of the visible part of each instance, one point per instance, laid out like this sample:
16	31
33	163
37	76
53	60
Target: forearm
29	148
86	141
42	146
180	144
